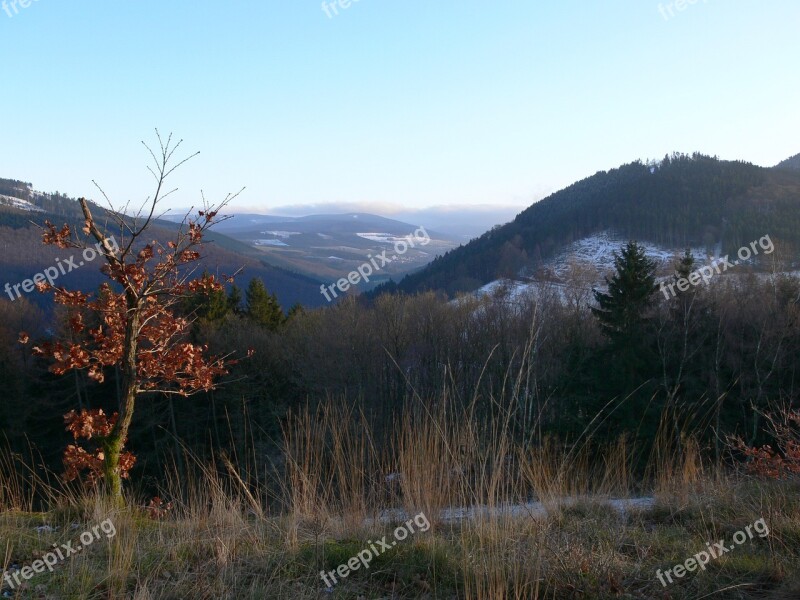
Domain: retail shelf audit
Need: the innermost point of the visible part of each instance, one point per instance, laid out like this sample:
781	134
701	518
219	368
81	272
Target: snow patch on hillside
18	203
281	234
598	251
269	243
384	238
582	266
512	290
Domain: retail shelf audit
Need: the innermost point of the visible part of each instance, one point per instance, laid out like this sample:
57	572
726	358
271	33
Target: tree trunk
115	442
112	449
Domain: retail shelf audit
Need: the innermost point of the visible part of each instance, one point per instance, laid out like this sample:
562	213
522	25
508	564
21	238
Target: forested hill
791	164
682	201
55	203
22	253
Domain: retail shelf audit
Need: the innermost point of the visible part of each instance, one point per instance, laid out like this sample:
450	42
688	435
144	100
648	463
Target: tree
15	370
263	307
622	311
296	310
138	330
684	266
235	300
681	338
207	305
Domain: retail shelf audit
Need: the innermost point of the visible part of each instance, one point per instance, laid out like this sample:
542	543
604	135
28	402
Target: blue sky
389	103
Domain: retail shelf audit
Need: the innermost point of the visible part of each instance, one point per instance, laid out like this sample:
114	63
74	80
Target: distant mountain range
328	247
22	253
460	222
684	201
292	255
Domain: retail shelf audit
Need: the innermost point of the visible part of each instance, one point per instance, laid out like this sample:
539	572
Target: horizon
399	212
410	105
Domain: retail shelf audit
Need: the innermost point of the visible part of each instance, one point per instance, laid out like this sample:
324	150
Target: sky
387	104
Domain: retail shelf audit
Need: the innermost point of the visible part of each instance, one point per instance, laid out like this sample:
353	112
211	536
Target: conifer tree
207	305
627	367
295	310
622	311
235	300
263	307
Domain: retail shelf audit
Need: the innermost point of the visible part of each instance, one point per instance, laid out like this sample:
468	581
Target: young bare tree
136	329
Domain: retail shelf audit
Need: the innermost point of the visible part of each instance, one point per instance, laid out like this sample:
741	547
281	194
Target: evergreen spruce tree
263	307
295	310
683	300
685	266
622	311
235	300
626	370
207	305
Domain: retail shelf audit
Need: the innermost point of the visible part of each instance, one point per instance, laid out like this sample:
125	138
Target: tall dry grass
225	537
492	493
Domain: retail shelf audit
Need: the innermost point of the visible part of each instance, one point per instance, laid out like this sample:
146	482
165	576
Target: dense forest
707	363
681	201
790	164
193	401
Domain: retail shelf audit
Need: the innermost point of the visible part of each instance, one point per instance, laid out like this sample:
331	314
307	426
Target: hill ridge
682	201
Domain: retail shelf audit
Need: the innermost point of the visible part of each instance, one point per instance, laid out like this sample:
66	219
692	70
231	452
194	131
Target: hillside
790	164
329	246
22	253
684	201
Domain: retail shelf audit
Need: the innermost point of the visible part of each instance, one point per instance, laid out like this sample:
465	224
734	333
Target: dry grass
228	539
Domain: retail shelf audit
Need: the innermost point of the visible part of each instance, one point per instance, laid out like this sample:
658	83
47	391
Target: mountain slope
684	201
22	253
790	164
328	247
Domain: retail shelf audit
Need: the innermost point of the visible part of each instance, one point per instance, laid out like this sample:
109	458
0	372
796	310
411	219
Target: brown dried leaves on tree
766	461
130	322
165	361
86	425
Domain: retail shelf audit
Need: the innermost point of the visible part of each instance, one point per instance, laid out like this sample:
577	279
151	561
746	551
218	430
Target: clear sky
390	102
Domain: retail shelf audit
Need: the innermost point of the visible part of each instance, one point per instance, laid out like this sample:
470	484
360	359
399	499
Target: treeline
708	362
15	188
681	201
790	164
54	203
